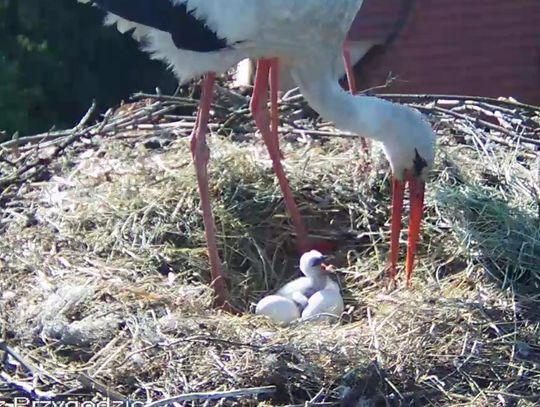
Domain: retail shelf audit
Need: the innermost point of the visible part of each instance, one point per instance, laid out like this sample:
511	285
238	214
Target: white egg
279	309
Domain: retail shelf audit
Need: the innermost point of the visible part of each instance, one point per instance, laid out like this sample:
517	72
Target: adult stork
201	37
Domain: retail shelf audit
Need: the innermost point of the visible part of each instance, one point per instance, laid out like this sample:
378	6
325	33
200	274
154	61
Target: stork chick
315	293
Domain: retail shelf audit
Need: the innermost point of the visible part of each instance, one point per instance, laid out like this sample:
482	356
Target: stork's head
408	141
312	264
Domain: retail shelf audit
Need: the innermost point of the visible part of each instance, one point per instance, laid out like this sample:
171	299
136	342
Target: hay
105	277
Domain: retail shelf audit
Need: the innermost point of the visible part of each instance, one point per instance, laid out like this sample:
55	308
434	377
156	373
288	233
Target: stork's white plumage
315	279
201	37
315	293
353	52
324	303
213	35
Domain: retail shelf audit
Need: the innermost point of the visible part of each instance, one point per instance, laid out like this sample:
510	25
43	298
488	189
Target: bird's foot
390	277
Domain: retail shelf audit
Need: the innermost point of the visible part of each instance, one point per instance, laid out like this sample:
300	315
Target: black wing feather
187	31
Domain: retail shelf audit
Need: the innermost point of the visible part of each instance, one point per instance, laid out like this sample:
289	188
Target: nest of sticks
105	280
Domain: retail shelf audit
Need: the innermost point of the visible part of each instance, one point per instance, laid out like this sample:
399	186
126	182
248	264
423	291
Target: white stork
306	297
315	279
201	37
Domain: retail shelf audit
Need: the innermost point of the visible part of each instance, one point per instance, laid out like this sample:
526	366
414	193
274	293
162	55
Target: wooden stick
419	97
15	355
27	389
253	391
39	138
91	384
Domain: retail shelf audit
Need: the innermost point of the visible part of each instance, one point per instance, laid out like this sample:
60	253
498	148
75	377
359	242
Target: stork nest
105	279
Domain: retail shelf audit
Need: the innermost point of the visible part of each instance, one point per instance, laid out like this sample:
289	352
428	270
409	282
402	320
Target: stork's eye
316	262
419	163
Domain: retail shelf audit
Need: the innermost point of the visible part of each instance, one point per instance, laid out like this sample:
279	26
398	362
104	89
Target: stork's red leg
201	155
347	60
274	106
267	70
417	188
398	188
353	85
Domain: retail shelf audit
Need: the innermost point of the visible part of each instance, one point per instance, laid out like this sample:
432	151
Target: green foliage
55	57
13	107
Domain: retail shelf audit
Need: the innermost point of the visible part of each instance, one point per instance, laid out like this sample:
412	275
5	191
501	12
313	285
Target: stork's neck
318	282
361	115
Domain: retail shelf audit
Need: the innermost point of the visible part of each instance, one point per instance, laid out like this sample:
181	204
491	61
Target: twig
184	101
390	79
29	390
482	122
15	355
91	384
43	137
513	396
178	100
38	138
86	117
310	404
251	392
431	97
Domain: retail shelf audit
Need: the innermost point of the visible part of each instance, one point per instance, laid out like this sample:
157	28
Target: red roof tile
480	47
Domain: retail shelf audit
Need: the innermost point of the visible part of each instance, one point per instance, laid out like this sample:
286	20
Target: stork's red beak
327	268
417	188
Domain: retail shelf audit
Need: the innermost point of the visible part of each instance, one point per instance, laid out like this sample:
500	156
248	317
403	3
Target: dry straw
105	275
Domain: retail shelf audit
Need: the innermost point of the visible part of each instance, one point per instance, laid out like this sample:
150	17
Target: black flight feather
187	31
